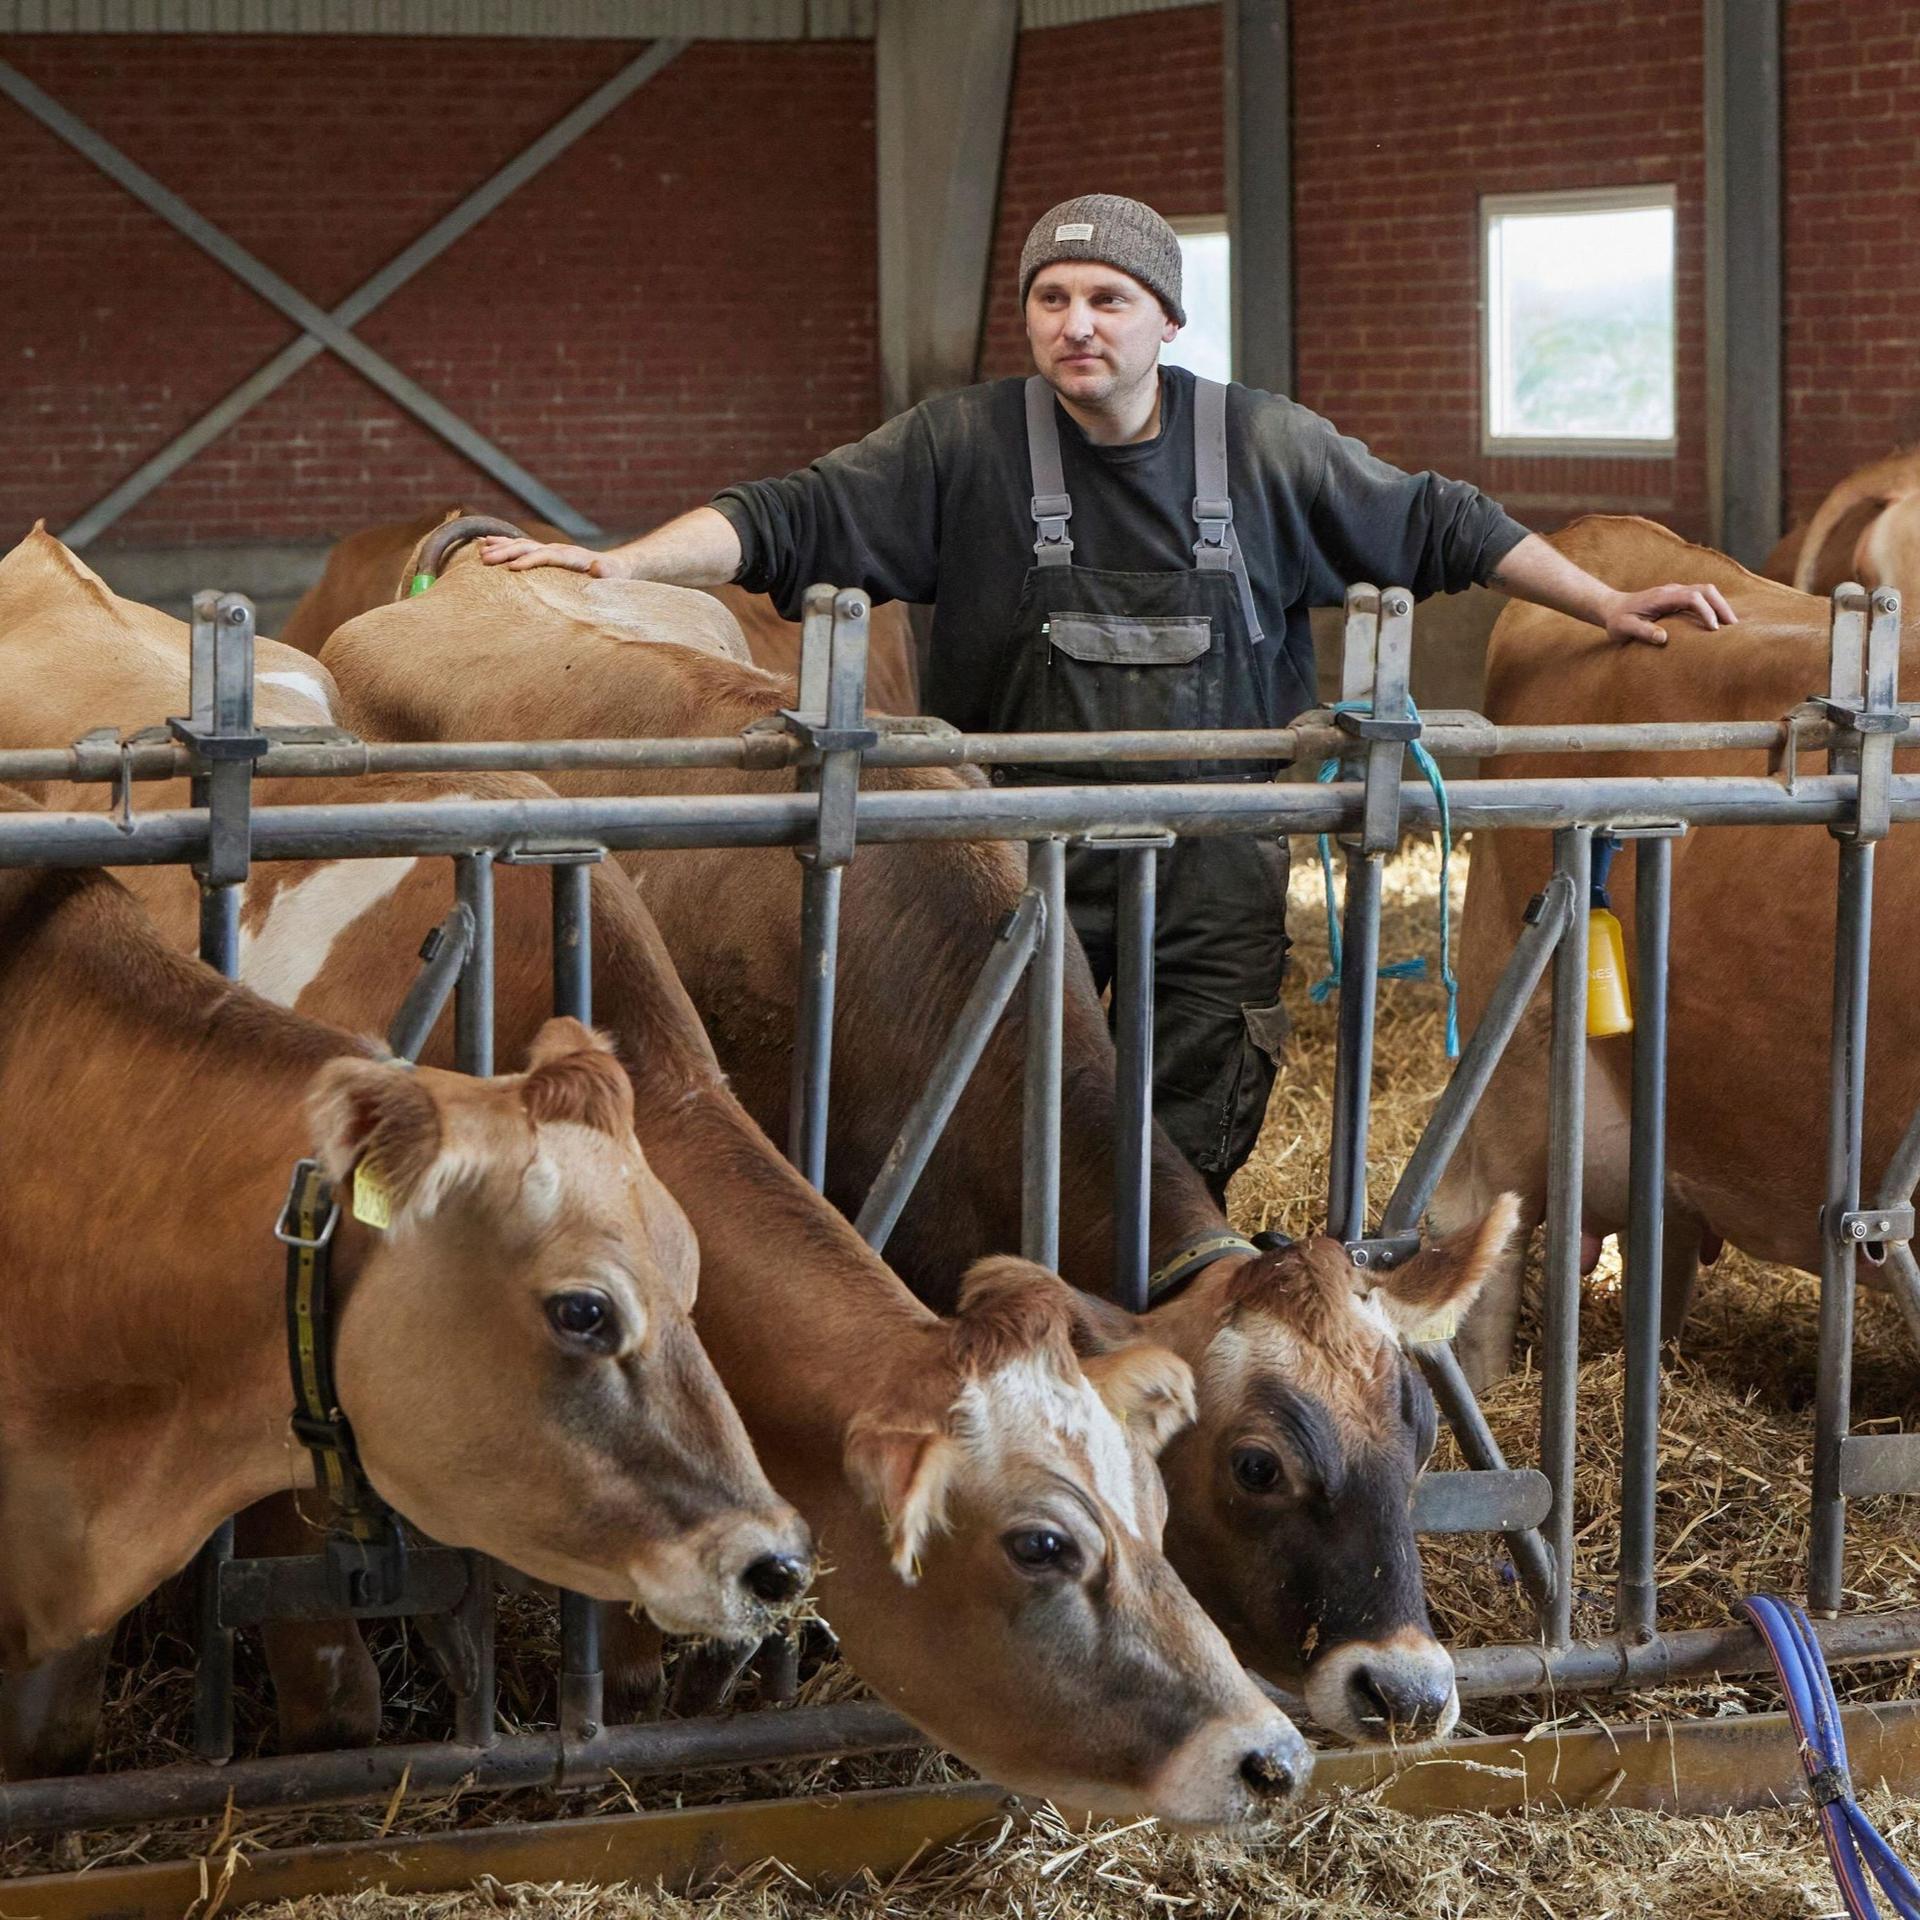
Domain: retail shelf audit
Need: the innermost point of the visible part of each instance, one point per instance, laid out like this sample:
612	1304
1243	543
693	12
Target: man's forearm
699	549
1539	572
1535	571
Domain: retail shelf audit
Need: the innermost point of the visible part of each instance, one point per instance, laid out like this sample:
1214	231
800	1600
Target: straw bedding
1735	1441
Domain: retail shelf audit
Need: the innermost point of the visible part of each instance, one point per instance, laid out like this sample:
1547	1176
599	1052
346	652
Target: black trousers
1220	948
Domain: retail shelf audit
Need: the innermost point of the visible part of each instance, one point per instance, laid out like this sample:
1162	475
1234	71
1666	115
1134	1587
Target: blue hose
1416	968
1854	1844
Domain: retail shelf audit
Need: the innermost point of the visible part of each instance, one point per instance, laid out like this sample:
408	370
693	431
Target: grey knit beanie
1117	232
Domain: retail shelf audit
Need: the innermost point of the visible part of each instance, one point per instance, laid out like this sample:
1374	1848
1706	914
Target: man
1113	544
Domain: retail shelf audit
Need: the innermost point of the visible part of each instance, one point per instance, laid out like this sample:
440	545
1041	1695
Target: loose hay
1736	1436
1348	1862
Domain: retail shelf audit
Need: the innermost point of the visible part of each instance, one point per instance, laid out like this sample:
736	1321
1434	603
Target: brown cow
513	1351
1297	1577
985	1497
1751	937
1867	529
369	568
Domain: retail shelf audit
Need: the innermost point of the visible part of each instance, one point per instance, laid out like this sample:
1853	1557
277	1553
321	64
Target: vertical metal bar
831	692
1862	673
1560	1304
1845	1116
813	1022
582	1684
1353	1048
1636	1599
213	1649
1046	1002
475	1723
220	927
220	702
1133	1044
573	940
473	998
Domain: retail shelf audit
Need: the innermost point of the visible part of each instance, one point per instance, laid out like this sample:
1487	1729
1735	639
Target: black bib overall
1095	650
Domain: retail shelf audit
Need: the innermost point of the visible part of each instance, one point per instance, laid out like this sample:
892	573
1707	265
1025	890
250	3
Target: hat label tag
1074	230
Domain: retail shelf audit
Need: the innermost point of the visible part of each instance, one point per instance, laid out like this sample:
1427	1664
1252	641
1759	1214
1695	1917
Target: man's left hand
1634	617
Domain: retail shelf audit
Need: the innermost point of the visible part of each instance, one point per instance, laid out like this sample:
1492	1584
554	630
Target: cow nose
1270	1773
777	1578
1392	1701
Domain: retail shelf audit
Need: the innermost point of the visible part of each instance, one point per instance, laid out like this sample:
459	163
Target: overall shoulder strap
1052	509
1216	549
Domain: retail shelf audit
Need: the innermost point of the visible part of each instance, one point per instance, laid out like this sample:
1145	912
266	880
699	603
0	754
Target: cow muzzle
1398	1691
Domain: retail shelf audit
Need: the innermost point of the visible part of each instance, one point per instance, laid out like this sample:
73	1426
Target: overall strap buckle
1216	550
1213	550
1051	508
1051	512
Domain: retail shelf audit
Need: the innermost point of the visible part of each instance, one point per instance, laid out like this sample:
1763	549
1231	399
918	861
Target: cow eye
1256	1469
585	1319
1042	1550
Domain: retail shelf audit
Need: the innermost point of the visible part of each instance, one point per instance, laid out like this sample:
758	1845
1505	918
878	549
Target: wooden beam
254	274
1661	1766
942	75
1258	62
1743	275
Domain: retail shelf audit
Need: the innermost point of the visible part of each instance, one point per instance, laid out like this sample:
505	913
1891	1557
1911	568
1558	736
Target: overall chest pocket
1112	671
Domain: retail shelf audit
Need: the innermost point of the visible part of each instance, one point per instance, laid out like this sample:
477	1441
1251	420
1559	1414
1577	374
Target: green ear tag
421	582
372	1203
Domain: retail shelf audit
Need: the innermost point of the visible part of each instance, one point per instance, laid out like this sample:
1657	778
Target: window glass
1205	343
1579	317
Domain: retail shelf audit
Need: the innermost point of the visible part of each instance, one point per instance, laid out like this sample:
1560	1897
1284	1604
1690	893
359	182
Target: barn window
1578	321
1205	343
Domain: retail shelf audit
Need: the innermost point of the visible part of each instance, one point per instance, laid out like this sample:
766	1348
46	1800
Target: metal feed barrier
829	737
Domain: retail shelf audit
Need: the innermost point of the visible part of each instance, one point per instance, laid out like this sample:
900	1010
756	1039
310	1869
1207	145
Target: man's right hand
498	550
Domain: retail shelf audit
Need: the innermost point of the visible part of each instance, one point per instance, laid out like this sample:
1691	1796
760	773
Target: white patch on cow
541	1187
290	949
1027	1407
1234	1353
304	685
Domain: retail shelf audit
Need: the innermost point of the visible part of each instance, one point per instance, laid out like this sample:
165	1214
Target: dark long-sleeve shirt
934	506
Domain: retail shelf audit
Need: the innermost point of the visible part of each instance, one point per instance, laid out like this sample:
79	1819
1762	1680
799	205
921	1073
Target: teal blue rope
1416	968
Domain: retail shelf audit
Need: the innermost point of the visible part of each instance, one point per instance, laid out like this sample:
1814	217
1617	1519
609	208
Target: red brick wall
1458	101
675	303
1131	106
1852	111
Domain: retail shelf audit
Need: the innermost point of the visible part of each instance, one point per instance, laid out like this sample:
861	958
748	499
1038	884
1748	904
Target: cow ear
376	1110
1426	1296
573	1075
1098	1326
905	1472
1148	1389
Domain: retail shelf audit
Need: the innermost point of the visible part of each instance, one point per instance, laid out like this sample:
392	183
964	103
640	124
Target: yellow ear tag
1443	1326
372	1203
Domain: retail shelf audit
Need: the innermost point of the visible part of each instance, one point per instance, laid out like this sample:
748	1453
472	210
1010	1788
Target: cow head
1290	1495
515	1351
1028	1617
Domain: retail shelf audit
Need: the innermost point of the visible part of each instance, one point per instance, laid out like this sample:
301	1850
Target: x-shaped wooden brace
333	331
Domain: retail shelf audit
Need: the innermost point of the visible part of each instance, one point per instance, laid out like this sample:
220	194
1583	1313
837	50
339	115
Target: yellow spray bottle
1609	1007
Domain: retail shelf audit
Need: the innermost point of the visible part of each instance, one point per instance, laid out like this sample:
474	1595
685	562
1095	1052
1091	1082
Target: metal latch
1874	1224
1383	1254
